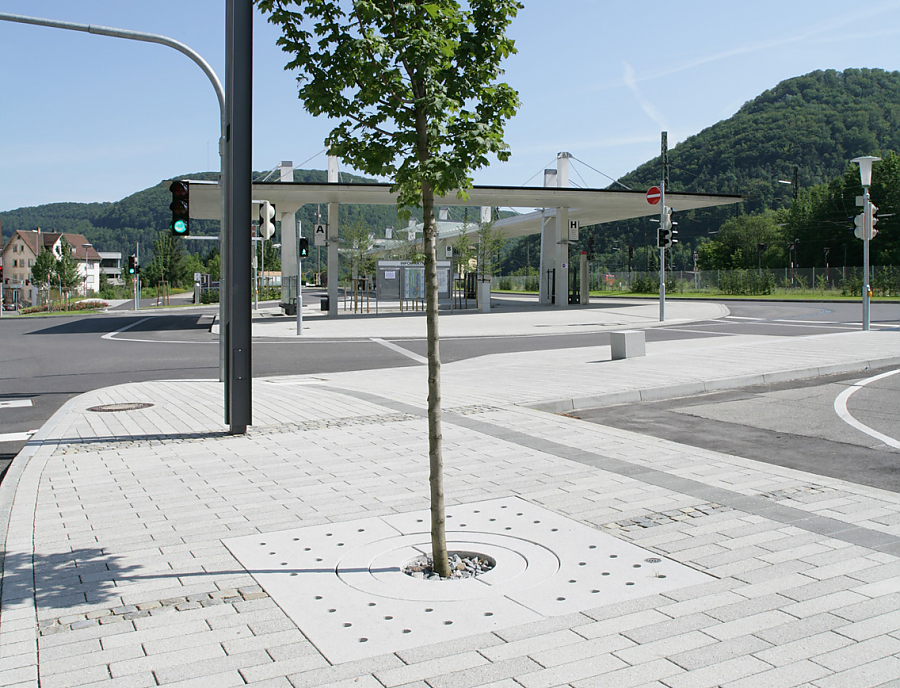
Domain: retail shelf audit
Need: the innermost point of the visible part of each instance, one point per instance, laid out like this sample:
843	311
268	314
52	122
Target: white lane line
401	350
16	403
840	407
16	436
111	335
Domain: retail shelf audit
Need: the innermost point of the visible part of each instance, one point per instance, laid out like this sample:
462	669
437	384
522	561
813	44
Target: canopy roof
589	206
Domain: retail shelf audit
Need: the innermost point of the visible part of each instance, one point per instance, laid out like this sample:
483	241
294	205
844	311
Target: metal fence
885	280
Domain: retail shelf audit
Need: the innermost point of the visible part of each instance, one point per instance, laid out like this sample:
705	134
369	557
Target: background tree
42	270
65	270
490	242
169	262
356	240
736	246
413	88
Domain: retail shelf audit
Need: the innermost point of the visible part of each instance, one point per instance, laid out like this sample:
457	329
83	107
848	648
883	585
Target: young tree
42	271
413	88
65	270
356	241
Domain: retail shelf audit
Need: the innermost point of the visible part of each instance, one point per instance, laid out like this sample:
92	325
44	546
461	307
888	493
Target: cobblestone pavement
115	572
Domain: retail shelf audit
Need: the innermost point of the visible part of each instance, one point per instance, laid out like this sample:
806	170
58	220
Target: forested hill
118	226
817	122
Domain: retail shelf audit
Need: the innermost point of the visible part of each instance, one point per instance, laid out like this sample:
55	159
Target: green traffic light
180	227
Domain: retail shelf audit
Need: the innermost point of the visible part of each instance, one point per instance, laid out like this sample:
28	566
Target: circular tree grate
113	408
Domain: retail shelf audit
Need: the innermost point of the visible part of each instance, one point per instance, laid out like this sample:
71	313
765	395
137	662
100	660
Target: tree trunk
435	439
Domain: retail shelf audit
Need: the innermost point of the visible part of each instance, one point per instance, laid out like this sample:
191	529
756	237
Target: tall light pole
87	266
865	176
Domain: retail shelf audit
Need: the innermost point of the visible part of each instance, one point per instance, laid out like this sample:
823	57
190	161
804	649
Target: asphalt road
793	425
48	360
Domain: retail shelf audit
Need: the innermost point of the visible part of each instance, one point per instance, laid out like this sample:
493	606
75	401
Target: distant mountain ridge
818	122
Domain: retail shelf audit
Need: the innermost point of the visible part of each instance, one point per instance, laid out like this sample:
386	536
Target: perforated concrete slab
343	584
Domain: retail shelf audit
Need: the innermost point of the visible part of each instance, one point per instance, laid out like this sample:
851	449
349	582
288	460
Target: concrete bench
627	344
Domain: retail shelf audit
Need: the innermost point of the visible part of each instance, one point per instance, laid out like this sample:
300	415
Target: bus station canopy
588	206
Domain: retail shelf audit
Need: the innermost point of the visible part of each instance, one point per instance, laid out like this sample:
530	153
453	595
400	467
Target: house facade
21	251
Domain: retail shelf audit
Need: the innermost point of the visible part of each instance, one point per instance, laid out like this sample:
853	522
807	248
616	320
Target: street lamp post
87	265
865	176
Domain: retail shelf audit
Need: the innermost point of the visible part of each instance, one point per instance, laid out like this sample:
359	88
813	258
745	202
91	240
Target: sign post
661	199
299	283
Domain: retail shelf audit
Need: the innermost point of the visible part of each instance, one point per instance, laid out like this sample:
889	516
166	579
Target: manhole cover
112	408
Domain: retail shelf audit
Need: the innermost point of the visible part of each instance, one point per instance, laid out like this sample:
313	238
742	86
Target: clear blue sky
90	118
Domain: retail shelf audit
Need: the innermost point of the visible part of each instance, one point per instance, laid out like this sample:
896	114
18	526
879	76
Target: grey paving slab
124	520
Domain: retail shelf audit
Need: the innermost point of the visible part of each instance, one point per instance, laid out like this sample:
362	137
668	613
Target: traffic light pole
662	254
239	203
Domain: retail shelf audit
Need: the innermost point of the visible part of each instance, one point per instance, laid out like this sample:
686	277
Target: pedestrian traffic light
132	265
304	247
266	220
180	207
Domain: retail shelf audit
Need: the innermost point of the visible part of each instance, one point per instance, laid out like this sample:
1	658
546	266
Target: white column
332	241
548	246
562	235
288	235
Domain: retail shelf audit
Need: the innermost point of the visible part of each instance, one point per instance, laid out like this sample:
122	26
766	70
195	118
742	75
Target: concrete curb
692	388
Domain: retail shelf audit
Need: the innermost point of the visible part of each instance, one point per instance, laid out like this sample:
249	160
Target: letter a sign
319	235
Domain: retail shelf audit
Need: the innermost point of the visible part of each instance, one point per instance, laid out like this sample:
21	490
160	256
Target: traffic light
666	236
304	247
860	222
180	207
132	265
266	220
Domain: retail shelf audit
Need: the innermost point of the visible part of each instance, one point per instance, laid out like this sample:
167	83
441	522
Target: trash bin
324	304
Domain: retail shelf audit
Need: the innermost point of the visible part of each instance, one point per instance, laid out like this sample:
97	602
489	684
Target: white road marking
16	403
111	335
401	350
840	407
16	436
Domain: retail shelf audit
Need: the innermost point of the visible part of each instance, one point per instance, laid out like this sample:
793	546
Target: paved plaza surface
145	546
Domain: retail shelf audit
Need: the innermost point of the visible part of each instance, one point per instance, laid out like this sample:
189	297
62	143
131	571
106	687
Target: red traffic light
179	189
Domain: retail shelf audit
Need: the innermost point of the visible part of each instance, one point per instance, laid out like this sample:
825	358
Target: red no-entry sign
653	195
